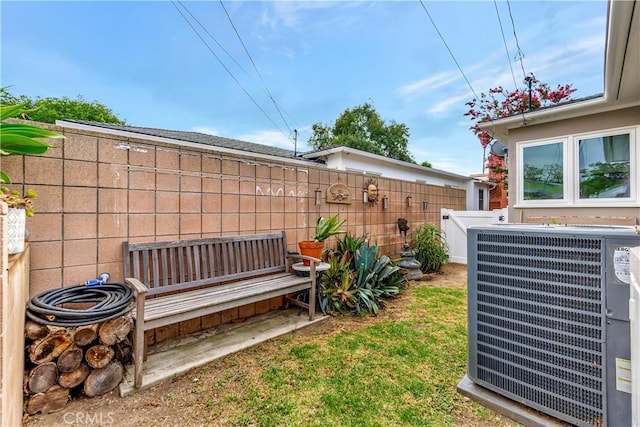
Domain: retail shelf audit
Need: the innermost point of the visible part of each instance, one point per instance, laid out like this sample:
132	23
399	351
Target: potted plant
325	228
19	209
19	139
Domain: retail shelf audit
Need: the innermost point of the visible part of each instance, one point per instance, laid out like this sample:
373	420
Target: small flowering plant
499	103
13	200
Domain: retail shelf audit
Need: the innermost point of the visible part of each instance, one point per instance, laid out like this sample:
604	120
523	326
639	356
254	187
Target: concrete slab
178	356
509	408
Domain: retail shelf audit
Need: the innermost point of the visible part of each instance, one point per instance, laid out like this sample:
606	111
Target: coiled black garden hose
111	301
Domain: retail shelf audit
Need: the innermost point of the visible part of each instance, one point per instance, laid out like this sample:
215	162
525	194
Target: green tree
362	128
48	110
426	164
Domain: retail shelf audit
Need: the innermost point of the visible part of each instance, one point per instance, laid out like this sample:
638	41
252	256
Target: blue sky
316	59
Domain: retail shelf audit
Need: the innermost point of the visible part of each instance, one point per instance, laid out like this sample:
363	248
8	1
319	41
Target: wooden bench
179	280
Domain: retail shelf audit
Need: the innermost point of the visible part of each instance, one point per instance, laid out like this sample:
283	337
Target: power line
504	40
453	57
224	66
519	54
255	67
449	50
214	39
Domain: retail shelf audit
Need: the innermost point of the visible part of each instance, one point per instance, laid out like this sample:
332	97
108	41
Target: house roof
193	137
340	149
243	147
621	70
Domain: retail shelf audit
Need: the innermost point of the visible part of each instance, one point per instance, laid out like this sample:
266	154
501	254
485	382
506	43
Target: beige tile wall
96	191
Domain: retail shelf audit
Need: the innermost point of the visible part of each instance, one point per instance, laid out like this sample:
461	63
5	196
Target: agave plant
378	276
327	227
337	287
359	282
348	246
19	138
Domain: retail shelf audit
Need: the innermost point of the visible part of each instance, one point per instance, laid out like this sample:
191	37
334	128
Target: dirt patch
178	402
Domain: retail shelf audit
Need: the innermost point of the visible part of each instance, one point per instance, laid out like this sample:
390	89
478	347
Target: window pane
604	167
543	172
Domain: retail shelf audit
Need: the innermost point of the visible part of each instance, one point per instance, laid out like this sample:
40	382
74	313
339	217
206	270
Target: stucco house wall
373	165
623	118
614	112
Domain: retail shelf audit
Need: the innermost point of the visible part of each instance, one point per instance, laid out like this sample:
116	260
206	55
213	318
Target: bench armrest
310	259
137	286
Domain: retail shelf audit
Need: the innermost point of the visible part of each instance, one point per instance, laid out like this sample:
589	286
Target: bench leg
312	292
138	344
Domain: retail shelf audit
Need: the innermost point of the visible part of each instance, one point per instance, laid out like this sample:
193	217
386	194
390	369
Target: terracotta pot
311	248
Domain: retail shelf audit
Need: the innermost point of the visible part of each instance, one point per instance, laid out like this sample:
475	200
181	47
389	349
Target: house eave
323	154
212	148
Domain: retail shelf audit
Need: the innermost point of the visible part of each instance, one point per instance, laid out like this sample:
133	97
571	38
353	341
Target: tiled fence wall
96	191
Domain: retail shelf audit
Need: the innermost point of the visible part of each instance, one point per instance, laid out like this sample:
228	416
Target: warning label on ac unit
622	263
623	375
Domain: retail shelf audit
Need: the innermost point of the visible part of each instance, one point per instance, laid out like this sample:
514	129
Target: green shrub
430	248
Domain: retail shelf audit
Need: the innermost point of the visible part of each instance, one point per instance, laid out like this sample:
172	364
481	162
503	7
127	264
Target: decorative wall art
339	193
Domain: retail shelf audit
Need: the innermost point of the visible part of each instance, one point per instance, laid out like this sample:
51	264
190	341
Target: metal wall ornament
403	226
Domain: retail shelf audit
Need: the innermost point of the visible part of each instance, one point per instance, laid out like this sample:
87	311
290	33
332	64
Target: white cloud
429	84
296	14
272	138
444	105
207	130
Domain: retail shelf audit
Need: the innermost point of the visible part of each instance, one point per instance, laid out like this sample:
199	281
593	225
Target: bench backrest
182	264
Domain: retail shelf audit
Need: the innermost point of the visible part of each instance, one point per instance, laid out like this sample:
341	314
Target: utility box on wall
549	318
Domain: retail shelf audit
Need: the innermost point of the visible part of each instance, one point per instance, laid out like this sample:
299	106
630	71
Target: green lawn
400	369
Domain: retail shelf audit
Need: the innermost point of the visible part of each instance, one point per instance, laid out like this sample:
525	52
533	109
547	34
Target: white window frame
571	171
565	179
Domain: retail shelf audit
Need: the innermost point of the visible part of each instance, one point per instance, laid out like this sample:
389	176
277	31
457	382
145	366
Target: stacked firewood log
61	362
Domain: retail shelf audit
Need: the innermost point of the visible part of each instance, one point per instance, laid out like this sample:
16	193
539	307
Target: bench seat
179	280
201	302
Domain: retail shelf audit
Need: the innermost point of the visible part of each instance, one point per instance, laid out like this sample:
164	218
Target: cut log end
42	377
85	335
103	380
70	359
48	348
52	400
74	378
115	330
98	356
35	331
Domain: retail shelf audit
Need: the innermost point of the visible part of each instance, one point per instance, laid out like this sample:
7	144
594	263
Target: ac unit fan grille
540	322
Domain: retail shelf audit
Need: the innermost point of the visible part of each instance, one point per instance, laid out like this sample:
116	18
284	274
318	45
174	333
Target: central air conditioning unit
549	322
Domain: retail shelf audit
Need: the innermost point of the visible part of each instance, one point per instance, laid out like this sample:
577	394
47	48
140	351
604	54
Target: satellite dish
498	149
